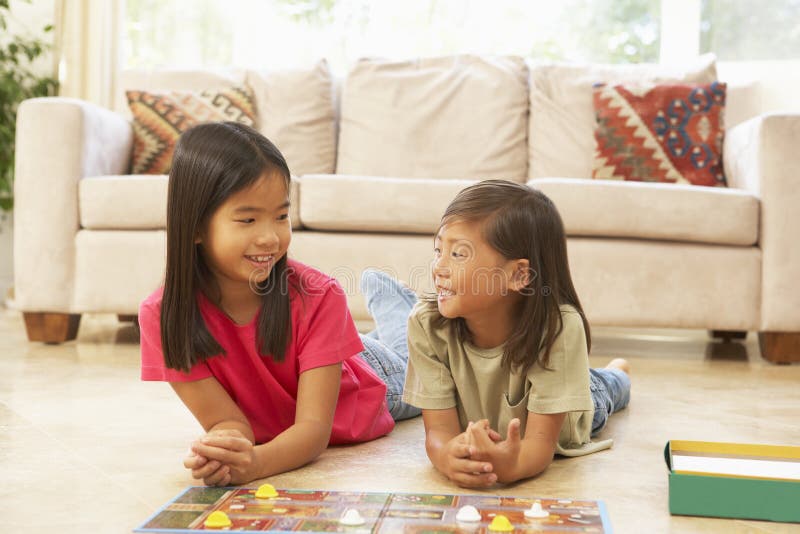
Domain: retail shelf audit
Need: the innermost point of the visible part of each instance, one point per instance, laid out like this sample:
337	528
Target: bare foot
621	364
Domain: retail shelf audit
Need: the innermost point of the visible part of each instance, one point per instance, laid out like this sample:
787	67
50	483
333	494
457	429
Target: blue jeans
611	391
385	348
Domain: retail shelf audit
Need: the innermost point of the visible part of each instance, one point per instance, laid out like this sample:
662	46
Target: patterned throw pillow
160	118
660	133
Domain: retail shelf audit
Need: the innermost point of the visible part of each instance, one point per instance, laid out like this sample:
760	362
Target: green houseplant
17	82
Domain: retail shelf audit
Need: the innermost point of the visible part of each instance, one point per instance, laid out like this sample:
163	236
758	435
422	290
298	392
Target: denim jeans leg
601	400
391	368
372	333
611	392
389	303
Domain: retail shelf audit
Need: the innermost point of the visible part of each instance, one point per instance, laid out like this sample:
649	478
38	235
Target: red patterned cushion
160	118
660	133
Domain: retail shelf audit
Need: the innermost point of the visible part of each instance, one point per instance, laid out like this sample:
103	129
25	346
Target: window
738	30
176	33
280	33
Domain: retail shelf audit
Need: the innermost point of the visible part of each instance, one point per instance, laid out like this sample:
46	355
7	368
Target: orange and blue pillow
160	118
660	133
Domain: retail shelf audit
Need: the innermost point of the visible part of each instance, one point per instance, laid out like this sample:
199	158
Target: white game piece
351	518
468	514
536	511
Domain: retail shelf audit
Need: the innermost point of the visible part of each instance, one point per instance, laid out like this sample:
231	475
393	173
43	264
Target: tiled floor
86	447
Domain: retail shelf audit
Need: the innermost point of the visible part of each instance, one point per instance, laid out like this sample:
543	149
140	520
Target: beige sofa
377	157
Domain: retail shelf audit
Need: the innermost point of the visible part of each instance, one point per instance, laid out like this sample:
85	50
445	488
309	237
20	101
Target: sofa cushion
371	204
160	118
448	117
173	80
136	202
296	112
626	282
742	102
672	212
562	121
295	107
660	133
115	270
637	283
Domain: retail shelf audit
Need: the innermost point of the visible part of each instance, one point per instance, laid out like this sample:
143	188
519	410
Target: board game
408	513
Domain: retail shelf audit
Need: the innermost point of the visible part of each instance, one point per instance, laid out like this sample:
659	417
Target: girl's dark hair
212	161
522	223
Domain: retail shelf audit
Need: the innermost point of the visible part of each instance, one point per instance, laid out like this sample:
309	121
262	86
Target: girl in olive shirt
498	361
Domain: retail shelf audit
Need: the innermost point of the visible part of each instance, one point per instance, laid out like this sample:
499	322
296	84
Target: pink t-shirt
323	333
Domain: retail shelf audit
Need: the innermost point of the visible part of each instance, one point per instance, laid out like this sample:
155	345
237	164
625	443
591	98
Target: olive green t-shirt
444	372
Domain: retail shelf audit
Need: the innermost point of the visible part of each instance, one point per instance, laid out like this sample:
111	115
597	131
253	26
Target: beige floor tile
87	447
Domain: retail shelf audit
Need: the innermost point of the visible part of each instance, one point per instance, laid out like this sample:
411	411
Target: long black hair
213	161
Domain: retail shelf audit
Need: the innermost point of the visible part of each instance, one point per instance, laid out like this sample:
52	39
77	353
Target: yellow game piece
266	491
500	523
217	520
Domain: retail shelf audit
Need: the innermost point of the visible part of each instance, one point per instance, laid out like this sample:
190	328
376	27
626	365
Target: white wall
25	18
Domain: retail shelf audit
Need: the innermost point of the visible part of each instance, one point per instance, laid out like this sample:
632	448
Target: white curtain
88	44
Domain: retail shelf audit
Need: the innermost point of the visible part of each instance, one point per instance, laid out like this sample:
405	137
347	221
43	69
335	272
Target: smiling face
248	234
472	279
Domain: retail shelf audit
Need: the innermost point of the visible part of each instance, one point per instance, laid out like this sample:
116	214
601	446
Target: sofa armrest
762	155
59	141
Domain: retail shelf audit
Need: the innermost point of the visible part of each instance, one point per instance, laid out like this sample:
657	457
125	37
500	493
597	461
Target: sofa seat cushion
672	212
375	204
135	202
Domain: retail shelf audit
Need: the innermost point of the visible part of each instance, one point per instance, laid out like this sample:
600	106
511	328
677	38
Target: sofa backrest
295	107
464	116
562	121
459	116
173	80
743	102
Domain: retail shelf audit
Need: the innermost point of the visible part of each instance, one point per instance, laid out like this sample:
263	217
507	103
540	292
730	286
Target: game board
408	513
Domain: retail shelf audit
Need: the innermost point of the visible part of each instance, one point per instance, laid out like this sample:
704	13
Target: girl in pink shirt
262	349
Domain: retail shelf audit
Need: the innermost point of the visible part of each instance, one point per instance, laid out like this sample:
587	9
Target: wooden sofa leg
51	327
132	320
128	318
780	347
728	335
